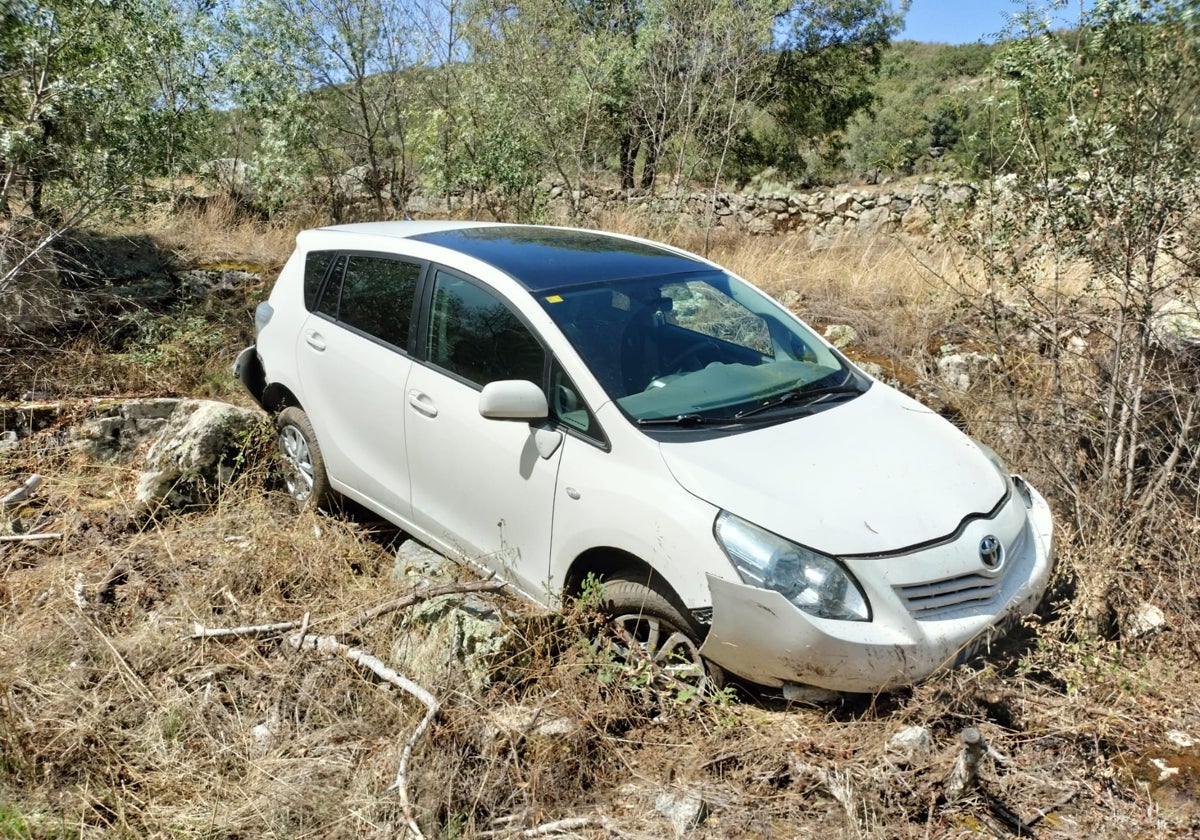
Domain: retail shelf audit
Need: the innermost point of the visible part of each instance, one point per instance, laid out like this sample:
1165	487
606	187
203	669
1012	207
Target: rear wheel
303	465
649	626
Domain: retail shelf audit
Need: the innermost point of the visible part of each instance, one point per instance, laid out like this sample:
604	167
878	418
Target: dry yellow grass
114	723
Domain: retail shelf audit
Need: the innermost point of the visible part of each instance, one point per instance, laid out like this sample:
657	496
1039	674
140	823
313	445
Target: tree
332	83
825	66
642	81
96	98
1087	236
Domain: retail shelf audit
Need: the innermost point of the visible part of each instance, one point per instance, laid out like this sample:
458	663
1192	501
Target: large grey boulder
195	454
121	429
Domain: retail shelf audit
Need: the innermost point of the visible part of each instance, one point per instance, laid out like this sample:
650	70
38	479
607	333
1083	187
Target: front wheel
649	627
303	464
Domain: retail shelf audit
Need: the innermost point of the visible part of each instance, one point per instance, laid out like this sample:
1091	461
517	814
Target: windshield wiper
683	420
799	395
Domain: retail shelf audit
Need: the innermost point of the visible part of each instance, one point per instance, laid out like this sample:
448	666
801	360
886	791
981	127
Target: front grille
928	600
935	598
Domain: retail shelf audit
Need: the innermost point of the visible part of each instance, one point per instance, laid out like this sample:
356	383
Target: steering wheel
692	357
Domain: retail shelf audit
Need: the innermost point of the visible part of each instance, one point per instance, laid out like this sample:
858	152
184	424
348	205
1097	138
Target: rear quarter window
316	266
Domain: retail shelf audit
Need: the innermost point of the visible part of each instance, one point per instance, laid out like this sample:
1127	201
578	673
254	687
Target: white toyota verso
553	403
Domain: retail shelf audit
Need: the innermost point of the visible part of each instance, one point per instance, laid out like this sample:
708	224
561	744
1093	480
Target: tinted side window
474	334
377	296
316	265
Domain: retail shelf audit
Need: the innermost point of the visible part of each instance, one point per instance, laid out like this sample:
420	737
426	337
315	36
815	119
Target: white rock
195	453
1144	620
1179	739
684	811
961	370
841	336
910	745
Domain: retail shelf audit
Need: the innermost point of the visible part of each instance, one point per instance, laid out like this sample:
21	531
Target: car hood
873	475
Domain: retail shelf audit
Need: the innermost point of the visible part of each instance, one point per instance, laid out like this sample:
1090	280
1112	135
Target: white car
556	403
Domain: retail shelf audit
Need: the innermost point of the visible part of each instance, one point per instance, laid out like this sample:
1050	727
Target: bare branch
489	584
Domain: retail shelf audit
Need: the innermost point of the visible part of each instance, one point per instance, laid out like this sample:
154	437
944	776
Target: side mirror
513	399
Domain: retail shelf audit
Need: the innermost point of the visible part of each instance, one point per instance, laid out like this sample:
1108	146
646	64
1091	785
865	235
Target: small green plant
12	823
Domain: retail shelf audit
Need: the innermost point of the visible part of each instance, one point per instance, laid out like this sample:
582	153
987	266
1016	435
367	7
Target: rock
263	738
453	637
202	282
8	441
961	370
194	455
1181	740
875	220
684	811
791	299
760	225
1145	619
415	561
872	369
524	721
911	745
810	694
1176	325
841	336
124	428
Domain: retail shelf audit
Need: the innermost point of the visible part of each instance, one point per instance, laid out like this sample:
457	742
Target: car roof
542	258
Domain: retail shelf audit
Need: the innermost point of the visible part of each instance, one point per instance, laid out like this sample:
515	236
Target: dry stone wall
824	215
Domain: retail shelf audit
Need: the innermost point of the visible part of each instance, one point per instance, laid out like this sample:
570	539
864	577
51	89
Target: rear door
480	486
354	364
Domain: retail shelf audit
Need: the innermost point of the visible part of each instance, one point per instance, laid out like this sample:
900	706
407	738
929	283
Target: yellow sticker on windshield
554	299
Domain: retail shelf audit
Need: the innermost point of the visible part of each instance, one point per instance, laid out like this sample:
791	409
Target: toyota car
562	406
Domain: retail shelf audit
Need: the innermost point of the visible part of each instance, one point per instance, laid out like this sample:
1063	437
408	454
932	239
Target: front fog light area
817	584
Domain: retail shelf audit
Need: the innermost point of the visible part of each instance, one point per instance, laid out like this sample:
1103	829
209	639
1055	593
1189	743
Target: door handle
314	340
423	403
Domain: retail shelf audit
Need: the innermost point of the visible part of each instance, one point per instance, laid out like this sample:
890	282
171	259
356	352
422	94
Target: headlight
817	584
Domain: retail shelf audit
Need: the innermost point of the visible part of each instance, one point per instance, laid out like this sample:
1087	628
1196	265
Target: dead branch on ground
331	645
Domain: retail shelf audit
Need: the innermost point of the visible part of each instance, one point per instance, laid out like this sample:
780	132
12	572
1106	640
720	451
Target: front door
480	487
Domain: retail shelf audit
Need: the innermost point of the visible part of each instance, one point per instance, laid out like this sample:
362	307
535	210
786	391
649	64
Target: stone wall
824	214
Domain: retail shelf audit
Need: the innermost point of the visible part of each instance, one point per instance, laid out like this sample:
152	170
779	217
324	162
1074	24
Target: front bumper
759	635
249	370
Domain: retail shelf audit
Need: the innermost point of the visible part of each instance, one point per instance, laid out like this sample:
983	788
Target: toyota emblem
991	552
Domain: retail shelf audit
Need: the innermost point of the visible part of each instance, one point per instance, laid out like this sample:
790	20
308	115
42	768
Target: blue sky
967	21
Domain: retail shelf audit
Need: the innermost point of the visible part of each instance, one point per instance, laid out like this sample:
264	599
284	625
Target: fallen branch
328	644
1054	806
489	584
199	631
23	492
559	827
14	538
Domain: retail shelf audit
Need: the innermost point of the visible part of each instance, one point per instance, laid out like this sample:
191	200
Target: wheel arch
607	562
277	397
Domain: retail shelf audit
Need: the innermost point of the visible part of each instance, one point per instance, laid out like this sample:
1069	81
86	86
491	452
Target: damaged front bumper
760	636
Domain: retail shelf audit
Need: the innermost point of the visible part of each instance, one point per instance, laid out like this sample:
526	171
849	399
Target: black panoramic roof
545	258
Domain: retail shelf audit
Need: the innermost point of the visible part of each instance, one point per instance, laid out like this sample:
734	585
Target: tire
649	624
303	465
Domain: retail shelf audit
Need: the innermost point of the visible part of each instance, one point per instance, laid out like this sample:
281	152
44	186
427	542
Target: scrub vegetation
1070	281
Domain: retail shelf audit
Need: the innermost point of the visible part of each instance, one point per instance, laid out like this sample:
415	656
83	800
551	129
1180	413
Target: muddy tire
650	625
303	465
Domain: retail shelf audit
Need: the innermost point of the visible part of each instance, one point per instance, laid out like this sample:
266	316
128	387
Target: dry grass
115	723
214	231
